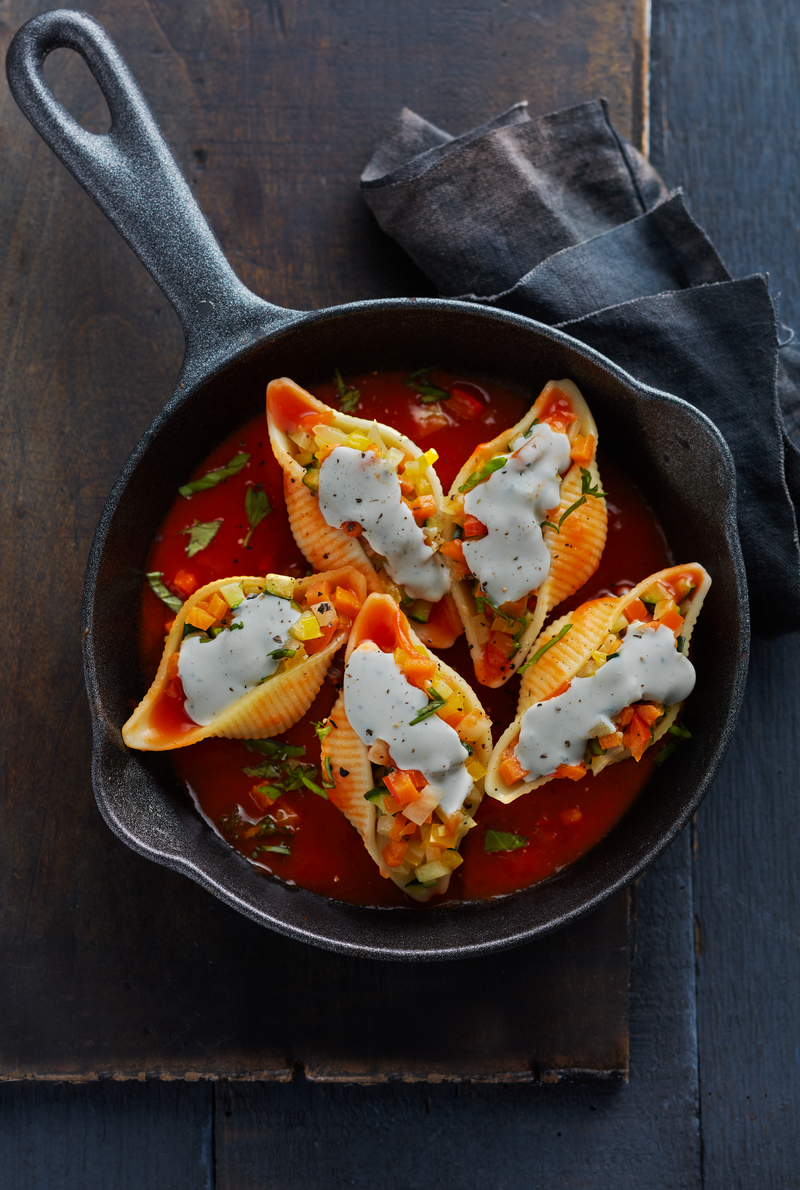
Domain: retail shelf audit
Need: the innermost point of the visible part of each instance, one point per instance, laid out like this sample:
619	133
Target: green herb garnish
269	791
279	654
347	394
200	536
327	774
323	729
548	645
157	587
586	491
277	848
483	473
594	747
428	393
309	784
235	625
212	478
275	749
503	841
435	704
257	506
679	733
680	642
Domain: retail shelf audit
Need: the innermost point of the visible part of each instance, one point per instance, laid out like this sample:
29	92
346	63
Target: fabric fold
560	219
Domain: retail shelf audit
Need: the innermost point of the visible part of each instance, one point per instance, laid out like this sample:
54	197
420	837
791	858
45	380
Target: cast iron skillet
235	343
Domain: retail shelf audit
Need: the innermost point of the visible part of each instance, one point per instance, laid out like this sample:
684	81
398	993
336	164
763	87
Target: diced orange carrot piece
635	611
583	448
510	768
418	668
198	618
637	737
351	529
613	740
394	852
453	549
648	713
217	606
185	582
624	717
390	806
423	507
401	787
573	771
346	603
673	620
473	527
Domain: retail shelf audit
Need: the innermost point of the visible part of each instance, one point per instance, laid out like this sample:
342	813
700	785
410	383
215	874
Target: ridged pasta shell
323	544
591	623
264	711
575	551
381	617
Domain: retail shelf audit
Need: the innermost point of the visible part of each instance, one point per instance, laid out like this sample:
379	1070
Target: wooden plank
107	1136
599	1137
729	109
112	965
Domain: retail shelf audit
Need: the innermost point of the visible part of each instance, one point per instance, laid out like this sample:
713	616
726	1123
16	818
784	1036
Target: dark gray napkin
560	219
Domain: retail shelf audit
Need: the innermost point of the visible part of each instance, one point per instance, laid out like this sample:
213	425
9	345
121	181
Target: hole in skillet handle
74	86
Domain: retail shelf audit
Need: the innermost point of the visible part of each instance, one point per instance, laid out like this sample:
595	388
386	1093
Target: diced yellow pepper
306	628
359	441
432	871
475	769
279	584
304	458
232	593
451	858
600	658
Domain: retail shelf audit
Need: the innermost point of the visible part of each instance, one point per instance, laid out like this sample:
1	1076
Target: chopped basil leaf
548	525
323	729
309	784
376	795
586	485
679	733
200	536
429	394
270	791
594	748
279	654
327	774
235	625
278	848
275	748
681	643
435	704
212	478
347	394
503	841
257	506
548	645
536	421
158	588
483	473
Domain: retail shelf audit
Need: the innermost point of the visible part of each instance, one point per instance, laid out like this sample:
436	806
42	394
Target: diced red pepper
672	619
463	405
637	737
401	787
511	770
185	583
423	507
453	549
648	713
573	772
394	853
636	610
473	527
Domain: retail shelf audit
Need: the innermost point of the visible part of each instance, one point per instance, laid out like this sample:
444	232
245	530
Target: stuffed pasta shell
360	494
406	751
604	683
527	528
245	658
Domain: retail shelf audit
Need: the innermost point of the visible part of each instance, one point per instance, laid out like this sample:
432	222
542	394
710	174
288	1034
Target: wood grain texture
728	107
112	965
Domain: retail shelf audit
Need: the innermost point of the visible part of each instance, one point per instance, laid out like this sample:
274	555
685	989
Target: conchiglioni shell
348	753
575	551
268	709
591	623
322	544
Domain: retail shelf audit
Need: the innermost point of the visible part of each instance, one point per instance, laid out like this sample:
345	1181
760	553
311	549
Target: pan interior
671	452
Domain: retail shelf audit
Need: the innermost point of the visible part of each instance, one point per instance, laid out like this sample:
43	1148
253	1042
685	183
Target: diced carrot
418	668
320	642
583	448
317	593
172	666
635	611
351	529
185	582
346	603
198	618
217	606
390	806
558	412
453	549
572	771
511	770
463	405
406	487
473	527
624	717
423	507
613	740
401	787
394	852
515	610
673	620
502	643
637	737
648	712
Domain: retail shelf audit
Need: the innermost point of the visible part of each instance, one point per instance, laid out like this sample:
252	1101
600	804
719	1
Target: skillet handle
134	179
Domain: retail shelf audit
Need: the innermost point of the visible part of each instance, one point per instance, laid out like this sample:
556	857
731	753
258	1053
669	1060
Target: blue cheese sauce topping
646	666
356	485
215	673
380	702
512	560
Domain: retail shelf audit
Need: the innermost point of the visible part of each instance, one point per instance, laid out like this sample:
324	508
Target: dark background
272	110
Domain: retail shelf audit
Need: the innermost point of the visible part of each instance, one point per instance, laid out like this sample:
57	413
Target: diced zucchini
311	479
594	748
280	585
233	594
419	611
306	628
432	871
329	436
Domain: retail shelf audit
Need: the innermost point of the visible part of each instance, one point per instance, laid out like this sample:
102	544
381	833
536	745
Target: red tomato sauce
560	821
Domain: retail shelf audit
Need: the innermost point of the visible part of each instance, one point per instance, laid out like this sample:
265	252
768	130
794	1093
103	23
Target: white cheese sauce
380	702
356	485
647	666
513	560
216	672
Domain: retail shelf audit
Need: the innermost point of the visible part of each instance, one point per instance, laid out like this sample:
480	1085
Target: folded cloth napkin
561	219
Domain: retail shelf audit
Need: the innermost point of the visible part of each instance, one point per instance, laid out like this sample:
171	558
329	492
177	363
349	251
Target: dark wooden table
272	110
